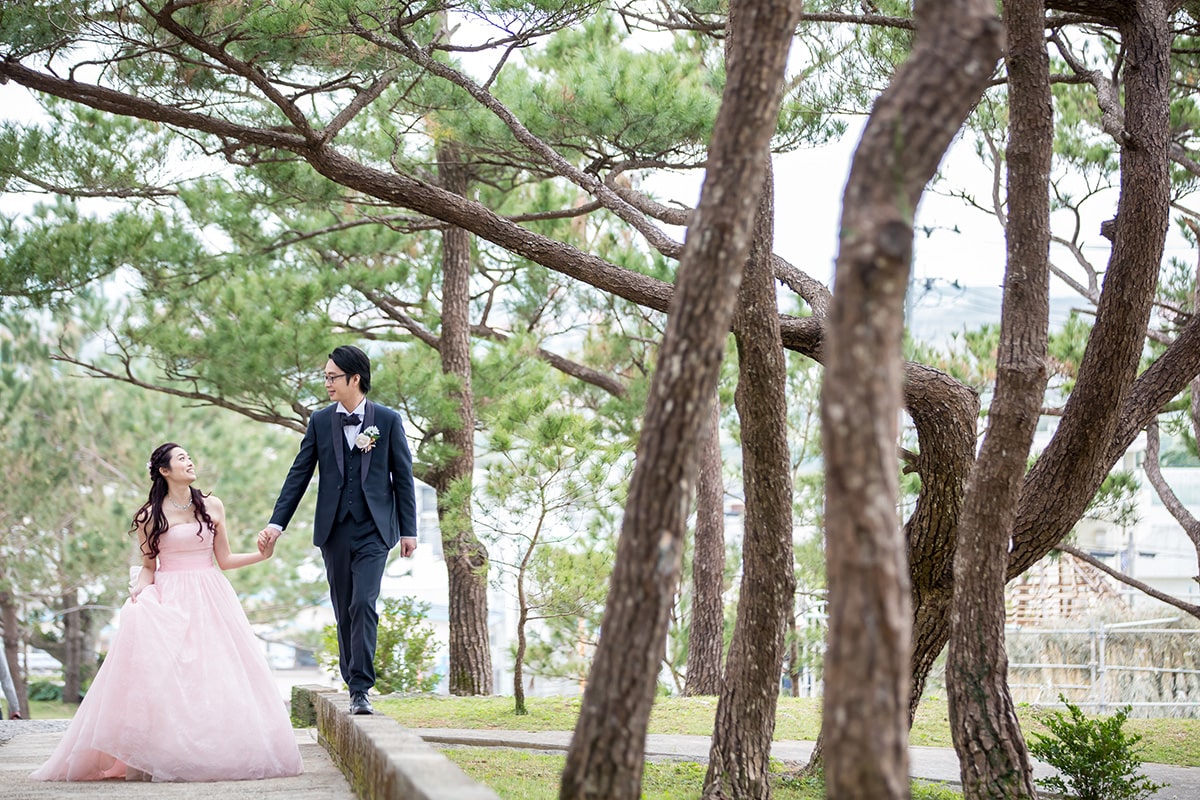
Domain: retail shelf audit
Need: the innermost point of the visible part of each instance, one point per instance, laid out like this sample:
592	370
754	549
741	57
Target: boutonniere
365	441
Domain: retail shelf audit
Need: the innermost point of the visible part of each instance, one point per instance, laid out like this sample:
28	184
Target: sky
958	265
961	245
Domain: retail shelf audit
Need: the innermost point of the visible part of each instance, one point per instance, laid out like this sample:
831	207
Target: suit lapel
339	439
368	421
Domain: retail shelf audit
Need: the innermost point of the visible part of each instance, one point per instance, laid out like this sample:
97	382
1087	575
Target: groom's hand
408	546
266	539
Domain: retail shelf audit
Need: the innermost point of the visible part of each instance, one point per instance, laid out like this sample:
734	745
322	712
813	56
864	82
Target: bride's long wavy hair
151	513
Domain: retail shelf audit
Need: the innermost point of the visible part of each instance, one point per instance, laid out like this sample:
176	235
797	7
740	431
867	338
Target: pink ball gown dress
185	692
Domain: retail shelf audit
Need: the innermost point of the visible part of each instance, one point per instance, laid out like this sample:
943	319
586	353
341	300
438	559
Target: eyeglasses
333	378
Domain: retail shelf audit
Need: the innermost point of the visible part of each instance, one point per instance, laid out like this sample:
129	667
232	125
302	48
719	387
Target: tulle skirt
184	694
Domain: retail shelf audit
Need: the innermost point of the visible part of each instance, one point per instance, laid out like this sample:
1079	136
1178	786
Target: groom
366	503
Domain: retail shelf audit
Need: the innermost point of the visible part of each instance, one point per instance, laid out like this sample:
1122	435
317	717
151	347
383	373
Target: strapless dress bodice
186	546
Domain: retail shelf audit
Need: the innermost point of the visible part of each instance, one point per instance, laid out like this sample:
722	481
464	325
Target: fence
1153	669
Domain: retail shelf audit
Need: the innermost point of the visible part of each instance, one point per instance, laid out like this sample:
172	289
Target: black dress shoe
359	704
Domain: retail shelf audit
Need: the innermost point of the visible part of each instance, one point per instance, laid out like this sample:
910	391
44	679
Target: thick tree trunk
607	751
945	414
706	635
466	557
865	722
994	761
1108	407
1089	425
739	759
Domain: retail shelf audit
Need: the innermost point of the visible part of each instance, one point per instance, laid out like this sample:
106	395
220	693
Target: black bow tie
349	419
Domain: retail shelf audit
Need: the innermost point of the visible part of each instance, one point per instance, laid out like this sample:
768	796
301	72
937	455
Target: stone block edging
380	758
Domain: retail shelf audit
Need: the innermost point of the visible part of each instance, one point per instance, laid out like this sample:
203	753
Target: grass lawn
1165	741
41	709
520	775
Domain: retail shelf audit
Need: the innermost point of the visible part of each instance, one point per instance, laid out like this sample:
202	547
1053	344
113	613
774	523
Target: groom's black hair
353	361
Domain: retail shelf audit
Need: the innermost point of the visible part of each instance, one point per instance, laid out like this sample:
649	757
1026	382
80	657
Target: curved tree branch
1189	523
166	18
298	423
1145	588
589	183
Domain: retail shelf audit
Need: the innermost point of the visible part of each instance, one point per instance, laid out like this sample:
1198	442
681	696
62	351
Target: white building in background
1153	548
1149	545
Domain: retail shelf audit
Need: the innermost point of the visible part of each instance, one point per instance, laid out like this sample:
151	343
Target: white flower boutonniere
365	441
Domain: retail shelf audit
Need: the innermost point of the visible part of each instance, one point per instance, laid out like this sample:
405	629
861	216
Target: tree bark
1158	385
945	419
739	759
793	650
706	635
1108	407
1074	464
993	759
466	557
607	751
1111	11
867	677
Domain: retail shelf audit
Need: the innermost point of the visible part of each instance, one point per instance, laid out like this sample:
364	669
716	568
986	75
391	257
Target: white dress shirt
351	431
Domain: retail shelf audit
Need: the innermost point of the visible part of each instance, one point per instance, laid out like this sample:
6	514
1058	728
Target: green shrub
1096	759
45	691
404	651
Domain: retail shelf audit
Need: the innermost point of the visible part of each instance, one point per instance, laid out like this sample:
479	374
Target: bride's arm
149	565
226	559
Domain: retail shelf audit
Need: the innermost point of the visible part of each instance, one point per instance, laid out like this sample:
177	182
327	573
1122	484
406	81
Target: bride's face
180	466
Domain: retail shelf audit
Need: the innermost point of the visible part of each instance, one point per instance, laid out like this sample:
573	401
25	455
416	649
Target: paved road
23	753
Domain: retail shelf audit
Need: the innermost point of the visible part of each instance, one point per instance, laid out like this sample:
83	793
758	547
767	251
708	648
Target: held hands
266	541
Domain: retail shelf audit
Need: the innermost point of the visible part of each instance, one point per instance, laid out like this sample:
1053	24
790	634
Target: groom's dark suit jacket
387	479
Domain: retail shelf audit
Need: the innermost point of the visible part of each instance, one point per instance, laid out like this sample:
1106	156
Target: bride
185	692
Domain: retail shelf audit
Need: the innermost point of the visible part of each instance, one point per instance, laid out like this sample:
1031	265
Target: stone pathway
24	745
